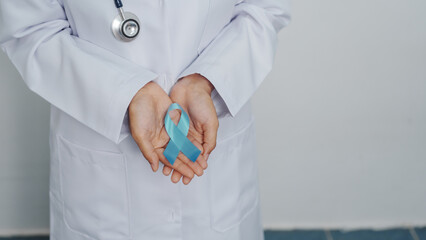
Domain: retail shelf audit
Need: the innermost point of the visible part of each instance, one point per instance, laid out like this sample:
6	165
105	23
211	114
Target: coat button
174	216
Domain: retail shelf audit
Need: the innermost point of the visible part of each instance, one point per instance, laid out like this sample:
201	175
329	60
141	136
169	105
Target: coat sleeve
86	81
238	59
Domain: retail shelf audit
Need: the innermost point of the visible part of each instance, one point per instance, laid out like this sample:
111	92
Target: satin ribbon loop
178	137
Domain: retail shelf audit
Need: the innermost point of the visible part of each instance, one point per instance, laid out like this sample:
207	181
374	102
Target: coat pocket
94	191
234	183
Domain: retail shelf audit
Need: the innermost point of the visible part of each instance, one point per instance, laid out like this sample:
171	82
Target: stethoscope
125	25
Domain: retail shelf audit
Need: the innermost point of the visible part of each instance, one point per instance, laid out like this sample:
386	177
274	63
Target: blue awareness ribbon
178	140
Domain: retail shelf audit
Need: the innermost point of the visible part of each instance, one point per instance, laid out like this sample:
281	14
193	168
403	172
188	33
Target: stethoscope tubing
118	3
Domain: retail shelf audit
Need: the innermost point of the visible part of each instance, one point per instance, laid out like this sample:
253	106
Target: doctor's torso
172	32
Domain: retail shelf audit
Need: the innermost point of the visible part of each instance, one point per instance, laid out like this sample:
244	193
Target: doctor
110	81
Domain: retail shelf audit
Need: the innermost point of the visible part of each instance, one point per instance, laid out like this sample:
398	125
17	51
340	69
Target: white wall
347	102
24	160
347	145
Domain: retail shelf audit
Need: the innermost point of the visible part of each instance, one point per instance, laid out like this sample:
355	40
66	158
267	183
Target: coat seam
205	26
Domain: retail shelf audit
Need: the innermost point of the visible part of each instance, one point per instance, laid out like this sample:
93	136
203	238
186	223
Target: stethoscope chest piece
125	26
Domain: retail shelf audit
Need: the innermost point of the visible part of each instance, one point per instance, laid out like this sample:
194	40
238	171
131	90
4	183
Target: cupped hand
193	93
146	121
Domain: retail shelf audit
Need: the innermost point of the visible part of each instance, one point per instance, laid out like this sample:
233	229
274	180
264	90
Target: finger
201	159
210	135
195	166
149	153
178	164
176	176
186	180
167	170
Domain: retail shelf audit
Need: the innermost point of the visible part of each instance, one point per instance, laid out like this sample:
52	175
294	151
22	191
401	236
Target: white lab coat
101	187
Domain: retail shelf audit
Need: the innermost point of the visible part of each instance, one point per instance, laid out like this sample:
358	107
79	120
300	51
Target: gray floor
389	234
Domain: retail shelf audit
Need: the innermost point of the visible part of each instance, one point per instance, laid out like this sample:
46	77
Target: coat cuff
116	127
224	106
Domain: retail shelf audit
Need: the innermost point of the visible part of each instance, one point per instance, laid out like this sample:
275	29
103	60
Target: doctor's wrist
195	82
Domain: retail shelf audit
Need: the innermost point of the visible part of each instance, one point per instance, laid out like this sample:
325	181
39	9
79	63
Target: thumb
209	137
149	153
